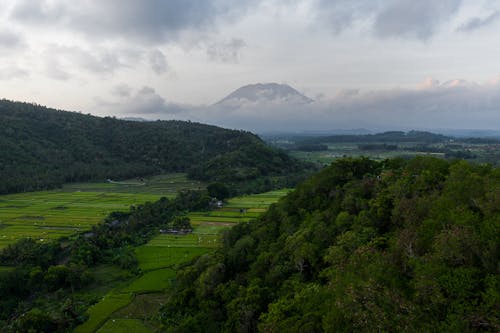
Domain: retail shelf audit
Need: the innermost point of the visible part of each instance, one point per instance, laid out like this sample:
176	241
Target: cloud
147	21
122	90
10	40
453	104
13	72
341	14
64	62
144	102
54	69
227	52
418	19
158	62
392	18
479	22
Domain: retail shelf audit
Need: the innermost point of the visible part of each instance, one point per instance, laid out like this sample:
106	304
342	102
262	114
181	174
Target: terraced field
159	259
75	207
124	326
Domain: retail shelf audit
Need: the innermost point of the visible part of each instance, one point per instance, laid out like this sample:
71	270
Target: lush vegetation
44	292
159	258
325	149
363	246
76	207
43	148
120	267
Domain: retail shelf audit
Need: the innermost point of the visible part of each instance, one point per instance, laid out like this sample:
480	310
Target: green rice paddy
52	214
161	256
124	326
156	257
99	312
157	280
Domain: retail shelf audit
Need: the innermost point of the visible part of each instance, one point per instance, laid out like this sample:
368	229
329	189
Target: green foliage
362	246
124	326
42	148
218	190
181	222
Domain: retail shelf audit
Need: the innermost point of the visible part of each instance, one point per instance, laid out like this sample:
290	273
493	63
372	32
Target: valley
132	305
76	207
186	235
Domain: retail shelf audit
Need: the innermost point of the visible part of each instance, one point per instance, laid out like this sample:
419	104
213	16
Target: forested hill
363	246
42	148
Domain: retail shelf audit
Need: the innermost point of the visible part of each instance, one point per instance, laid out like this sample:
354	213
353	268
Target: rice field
52	214
156	257
156	280
124	326
160	257
99	312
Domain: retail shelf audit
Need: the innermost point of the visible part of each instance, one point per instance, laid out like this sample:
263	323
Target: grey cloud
390	18
228	52
479	22
10	40
341	14
148	21
158	62
409	18
122	90
62	61
144	102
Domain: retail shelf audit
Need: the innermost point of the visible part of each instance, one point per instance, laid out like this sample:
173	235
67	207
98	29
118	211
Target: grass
157	280
124	326
52	214
155	257
239	209
164	185
6	269
99	312
142	306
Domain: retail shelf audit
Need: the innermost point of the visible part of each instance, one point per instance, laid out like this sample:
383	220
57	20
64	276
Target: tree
218	190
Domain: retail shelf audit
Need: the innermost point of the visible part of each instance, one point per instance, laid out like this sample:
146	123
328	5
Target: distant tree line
391	136
377	146
42	148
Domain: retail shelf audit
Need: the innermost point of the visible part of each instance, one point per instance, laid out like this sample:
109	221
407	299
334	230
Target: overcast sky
366	63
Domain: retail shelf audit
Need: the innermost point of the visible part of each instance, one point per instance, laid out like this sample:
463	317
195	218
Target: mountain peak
260	93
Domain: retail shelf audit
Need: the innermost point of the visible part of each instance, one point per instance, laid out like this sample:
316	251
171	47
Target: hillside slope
42	148
362	246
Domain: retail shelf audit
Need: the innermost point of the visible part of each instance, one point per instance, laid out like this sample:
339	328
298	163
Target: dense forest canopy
42	148
362	246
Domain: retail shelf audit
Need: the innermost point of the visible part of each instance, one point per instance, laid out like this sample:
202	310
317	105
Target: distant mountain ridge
264	93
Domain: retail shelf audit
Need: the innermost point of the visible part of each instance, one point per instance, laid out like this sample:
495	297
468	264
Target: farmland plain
75	207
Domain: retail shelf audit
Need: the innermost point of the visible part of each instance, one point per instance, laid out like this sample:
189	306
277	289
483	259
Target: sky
377	64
